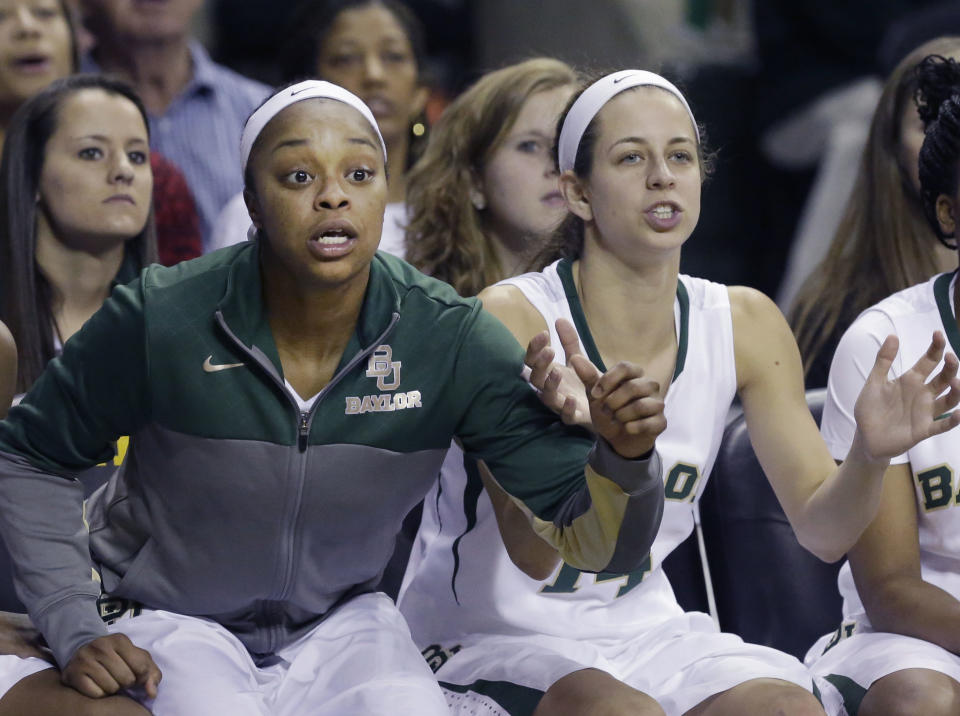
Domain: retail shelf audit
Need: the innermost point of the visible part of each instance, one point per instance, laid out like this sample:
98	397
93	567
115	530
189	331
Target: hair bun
938	80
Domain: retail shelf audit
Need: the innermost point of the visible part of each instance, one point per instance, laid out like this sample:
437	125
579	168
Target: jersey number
568	578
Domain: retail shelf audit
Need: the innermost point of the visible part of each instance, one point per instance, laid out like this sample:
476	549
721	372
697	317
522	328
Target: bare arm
531	554
828	506
8	370
886	569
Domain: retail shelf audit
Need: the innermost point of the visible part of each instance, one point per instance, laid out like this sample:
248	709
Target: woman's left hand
893	416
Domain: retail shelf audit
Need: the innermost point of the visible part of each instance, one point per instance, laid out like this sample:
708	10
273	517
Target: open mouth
663	216
32	64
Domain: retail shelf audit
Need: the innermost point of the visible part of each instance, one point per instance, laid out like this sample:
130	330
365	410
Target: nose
121	169
373	69
26	24
661	175
331	196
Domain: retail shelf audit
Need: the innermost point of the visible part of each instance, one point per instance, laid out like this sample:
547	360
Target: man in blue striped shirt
197	108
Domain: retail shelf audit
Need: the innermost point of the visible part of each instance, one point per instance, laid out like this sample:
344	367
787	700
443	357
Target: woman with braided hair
896	651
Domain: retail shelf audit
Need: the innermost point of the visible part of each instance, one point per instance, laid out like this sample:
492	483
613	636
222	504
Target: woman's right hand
107	664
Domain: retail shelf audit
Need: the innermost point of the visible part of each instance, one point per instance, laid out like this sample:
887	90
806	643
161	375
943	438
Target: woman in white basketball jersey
896	651
560	641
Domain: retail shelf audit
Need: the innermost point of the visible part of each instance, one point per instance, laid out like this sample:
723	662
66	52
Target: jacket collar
244	312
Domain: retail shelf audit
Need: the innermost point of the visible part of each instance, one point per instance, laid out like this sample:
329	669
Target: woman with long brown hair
883	243
476	216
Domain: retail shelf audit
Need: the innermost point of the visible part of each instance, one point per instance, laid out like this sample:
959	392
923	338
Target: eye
529	146
90	153
361	174
394	57
631	158
299	177
682	156
137	157
46	12
343	60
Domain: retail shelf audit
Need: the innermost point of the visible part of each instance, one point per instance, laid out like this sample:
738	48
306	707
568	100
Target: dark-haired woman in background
75	217
37	46
897	650
883	243
75	212
375	49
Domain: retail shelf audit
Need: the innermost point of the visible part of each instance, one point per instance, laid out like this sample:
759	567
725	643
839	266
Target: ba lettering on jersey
937	487
387	373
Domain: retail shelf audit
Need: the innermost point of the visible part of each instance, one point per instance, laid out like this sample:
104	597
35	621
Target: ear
253	207
947	214
477	196
576	195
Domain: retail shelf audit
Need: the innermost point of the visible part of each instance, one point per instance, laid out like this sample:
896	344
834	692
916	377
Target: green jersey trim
565	271
851	692
941	292
516	699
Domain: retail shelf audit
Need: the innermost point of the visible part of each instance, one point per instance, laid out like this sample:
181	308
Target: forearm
610	525
43	528
841	508
531	554
893	607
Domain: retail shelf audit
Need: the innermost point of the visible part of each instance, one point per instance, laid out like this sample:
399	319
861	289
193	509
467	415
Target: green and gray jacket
235	505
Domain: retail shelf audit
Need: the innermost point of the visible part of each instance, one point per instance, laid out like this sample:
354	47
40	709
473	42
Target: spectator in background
484	197
883	243
197	108
374	48
75	195
37	46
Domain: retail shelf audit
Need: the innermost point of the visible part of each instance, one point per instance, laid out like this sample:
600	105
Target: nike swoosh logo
210	367
625	77
294	93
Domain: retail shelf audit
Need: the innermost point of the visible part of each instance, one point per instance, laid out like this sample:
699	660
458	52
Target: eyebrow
641	140
103	138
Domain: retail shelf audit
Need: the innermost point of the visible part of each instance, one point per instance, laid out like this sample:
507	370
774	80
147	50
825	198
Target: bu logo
382	366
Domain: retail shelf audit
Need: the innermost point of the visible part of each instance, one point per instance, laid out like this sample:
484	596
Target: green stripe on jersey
941	292
850	690
517	700
565	271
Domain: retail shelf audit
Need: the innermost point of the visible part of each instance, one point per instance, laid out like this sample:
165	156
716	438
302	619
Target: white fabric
13	669
592	100
913	315
232	224
680	663
624	624
393	237
360	660
304	404
308	89
866	657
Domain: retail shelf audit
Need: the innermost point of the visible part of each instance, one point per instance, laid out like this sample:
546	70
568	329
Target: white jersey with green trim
460	580
912	315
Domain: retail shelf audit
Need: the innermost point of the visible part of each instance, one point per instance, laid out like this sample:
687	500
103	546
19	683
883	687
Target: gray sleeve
641	479
43	527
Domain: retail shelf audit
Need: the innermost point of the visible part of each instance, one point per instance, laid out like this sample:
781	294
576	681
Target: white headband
310	89
592	100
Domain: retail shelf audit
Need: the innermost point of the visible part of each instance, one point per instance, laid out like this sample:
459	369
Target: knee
912	692
591	692
769	697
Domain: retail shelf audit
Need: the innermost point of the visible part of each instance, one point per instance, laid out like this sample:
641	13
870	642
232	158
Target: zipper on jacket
304	430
